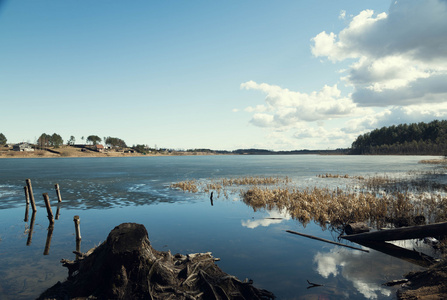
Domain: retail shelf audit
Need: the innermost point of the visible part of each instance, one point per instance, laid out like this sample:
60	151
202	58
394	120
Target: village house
22	147
99	148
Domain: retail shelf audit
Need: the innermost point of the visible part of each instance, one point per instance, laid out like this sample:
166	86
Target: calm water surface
106	192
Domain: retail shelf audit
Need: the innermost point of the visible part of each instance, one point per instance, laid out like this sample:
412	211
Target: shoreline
68	152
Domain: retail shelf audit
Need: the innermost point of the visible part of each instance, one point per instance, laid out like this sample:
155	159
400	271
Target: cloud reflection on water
275	216
366	271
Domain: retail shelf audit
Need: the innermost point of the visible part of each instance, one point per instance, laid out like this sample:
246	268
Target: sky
223	75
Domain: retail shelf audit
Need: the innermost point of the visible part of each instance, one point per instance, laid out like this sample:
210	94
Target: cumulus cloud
396	115
397	73
400	56
288	107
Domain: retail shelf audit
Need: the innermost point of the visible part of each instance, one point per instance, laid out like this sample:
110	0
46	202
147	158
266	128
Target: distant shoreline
74	152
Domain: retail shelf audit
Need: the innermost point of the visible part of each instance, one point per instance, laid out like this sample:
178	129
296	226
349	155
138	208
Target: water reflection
31	228
351	266
275	216
48	241
58	212
26	213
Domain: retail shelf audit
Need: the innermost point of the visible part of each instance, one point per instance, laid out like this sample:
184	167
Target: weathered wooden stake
46	251
49	211
58	192
31	228
31	195
26	194
77	221
78	249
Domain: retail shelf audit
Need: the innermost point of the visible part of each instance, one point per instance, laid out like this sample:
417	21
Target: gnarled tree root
125	266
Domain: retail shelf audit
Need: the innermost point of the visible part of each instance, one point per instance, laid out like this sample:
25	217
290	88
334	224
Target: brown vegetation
130	268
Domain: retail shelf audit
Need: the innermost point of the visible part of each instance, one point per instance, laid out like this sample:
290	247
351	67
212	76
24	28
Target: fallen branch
312	285
395	282
404	233
324	240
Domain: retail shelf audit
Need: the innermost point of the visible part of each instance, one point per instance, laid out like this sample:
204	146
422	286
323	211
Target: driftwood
312	285
325	240
125	266
403	233
414	257
355	228
395	282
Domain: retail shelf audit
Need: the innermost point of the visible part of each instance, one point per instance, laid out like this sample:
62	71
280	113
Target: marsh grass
427	182
226	185
328	175
381	201
187	185
337	207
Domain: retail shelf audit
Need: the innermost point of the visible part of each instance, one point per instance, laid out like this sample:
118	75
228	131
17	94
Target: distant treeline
271	152
405	139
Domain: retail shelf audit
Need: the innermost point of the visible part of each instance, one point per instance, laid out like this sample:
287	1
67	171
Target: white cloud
258	108
397	74
401	57
342	15
288	107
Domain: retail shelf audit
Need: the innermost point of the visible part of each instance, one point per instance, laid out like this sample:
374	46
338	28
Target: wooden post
49	211
77	221
31	228
58	193
46	251
31	195
26	194
78	249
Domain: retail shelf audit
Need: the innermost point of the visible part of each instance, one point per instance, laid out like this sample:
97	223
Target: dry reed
338	207
380	200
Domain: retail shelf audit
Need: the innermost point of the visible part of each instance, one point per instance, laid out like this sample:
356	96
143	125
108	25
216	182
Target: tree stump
125	266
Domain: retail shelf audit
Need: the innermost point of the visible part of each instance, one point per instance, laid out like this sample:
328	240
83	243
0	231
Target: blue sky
279	75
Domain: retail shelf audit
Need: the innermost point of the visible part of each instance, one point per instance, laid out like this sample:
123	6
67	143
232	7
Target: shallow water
106	192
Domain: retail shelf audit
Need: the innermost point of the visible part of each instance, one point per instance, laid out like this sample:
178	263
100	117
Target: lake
106	192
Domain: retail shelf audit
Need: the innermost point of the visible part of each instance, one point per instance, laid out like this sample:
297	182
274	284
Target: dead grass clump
220	186
188	185
425	183
340	208
441	161
254	181
328	175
